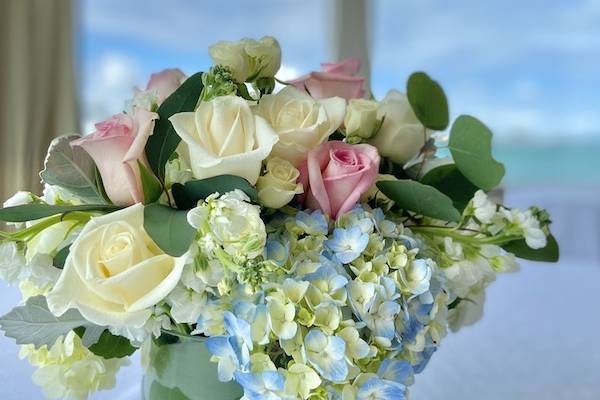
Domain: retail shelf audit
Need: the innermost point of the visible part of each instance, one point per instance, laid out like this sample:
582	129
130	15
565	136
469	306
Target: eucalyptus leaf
61	257
519	248
428	101
71	168
450	181
101	342
187	195
419	198
33	211
471	147
150	184
163	142
169	229
33	323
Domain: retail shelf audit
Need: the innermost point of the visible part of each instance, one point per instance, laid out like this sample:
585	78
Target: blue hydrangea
347	244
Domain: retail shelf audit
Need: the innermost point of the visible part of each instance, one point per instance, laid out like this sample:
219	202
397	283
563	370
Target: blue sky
529	69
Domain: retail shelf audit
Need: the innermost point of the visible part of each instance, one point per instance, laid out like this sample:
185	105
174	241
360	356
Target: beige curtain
37	87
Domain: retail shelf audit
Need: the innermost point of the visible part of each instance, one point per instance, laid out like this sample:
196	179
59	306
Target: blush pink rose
335	79
165	82
349	66
116	146
336	174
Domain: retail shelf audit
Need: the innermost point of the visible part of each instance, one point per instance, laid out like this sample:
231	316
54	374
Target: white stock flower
12	263
186	305
223	136
232	222
467	274
361	118
483	208
401	135
301	122
115	273
278	186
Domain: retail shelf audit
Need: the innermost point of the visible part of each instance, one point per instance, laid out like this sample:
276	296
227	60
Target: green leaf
448	180
108	345
163	142
428	101
33	211
519	248
150	184
187	195
61	257
169	229
420	198
71	168
34	324
160	392
471	147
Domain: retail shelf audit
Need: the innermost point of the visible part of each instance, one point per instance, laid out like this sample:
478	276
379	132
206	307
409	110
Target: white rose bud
401	135
278	186
361	118
232	55
264	56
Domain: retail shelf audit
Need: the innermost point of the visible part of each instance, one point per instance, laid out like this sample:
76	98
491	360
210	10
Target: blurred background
529	69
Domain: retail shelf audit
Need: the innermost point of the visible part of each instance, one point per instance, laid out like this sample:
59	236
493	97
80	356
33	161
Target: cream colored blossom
278	186
115	273
69	370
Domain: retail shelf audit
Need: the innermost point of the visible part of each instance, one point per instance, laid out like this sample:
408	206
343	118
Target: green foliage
169	229
218	81
519	248
105	344
150	184
448	180
33	323
419	198
428	101
71	168
61	257
471	147
186	196
163	142
33	211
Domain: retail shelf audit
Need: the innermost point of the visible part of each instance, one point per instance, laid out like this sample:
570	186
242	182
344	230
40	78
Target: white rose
223	137
115	273
264	56
232	55
301	122
361	118
401	135
278	186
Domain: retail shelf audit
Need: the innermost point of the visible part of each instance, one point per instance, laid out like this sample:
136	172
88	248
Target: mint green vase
180	369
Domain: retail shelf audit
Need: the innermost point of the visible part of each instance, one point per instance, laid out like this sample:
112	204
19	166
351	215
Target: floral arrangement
320	240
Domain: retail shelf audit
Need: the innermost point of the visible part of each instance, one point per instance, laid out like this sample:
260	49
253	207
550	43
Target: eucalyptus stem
450	232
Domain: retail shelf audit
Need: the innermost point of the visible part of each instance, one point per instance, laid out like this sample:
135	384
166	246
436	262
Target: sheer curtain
37	87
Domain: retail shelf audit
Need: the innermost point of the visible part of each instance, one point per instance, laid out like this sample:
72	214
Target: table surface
537	339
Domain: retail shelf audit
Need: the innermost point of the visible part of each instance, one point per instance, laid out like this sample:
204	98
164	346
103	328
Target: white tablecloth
538	339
